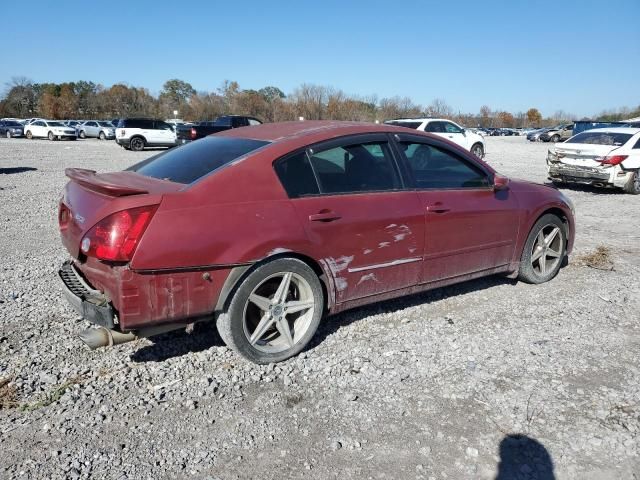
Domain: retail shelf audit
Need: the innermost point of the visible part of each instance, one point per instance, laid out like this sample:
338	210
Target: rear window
192	161
601	138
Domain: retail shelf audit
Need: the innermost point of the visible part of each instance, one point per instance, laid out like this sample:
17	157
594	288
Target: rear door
468	226
365	226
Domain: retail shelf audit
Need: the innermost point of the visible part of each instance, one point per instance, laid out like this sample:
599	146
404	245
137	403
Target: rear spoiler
105	183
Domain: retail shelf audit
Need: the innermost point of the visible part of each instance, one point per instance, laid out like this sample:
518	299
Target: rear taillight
64	216
614	160
116	237
193	133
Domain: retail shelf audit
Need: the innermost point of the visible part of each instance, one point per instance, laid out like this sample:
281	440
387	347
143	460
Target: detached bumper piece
578	174
90	303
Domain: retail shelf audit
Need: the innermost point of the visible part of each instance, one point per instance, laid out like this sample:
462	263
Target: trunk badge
79	218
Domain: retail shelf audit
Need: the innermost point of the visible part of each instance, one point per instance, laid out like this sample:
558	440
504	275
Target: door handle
324	216
437	207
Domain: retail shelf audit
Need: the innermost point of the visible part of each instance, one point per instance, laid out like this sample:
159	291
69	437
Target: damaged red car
265	230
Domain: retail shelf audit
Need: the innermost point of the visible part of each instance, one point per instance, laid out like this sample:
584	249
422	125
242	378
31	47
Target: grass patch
8	394
599	259
53	396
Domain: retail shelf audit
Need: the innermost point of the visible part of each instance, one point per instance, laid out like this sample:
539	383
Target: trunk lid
580	154
90	197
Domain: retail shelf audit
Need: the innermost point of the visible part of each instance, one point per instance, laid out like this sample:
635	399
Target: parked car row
551	134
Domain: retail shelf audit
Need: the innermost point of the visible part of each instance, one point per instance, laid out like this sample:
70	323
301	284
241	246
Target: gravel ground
484	379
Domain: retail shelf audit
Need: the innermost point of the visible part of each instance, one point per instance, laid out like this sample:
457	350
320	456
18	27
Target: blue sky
577	56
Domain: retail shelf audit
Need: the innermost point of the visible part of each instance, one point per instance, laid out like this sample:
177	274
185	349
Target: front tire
8	134
478	150
555	138
633	184
102	136
137	144
544	250
274	312
29	135
51	136
82	134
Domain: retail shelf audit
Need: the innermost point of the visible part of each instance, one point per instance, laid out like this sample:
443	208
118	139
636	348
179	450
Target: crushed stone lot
432	386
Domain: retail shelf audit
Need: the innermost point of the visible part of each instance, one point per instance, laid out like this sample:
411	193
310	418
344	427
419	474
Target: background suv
138	133
453	132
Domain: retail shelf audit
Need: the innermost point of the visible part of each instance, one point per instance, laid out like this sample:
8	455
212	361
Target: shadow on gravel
576	187
178	343
343	319
12	170
524	457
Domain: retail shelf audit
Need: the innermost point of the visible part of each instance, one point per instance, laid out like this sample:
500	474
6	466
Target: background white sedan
50	129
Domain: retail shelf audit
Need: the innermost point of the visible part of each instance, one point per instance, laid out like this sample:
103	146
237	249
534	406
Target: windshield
192	161
105	124
601	138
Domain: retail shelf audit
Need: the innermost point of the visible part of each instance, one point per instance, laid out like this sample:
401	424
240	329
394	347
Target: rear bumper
612	177
90	303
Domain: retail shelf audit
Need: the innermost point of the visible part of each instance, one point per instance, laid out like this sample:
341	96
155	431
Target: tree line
84	100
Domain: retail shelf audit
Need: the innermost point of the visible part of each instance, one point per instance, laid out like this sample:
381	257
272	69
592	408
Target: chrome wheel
8	134
478	151
278	312
546	253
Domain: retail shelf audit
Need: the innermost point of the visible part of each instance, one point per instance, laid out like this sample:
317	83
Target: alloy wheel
547	250
278	312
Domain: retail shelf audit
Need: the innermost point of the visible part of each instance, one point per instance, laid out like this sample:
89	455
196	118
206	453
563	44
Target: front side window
436	168
91	124
451	128
361	167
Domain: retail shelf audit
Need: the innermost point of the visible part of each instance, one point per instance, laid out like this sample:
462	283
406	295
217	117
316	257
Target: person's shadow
524	457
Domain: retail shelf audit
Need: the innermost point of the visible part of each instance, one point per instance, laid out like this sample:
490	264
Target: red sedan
266	229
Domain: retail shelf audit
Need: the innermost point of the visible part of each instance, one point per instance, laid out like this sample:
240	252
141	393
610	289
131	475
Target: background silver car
96	129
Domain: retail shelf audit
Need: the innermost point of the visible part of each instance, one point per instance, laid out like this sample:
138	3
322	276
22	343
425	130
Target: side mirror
500	183
463	131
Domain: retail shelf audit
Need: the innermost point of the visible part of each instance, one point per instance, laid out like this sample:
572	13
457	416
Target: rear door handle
324	216
437	207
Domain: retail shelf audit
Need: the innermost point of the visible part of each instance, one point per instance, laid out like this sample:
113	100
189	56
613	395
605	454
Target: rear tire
555	138
137	144
544	250
8	134
271	330
633	184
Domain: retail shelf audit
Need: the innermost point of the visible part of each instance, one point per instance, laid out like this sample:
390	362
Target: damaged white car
603	157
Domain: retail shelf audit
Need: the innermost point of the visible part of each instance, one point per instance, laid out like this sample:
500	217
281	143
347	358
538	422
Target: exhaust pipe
104	337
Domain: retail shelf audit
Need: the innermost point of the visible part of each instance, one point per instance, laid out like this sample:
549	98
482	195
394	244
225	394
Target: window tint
296	176
433	167
223	121
637	145
434	127
451	128
162	126
601	138
355	168
194	160
414	125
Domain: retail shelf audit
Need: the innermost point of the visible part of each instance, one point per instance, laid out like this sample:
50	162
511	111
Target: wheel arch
238	274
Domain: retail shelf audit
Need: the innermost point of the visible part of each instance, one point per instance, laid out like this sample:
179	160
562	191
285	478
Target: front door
361	221
469	227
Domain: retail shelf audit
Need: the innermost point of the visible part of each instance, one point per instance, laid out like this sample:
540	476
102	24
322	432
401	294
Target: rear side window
435	168
362	167
601	138
192	161
414	125
296	175
435	127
